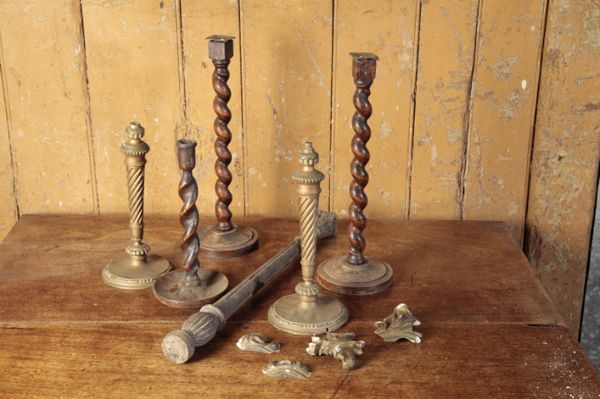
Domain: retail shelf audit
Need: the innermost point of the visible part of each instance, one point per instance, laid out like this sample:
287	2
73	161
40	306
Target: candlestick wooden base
338	275
238	241
174	290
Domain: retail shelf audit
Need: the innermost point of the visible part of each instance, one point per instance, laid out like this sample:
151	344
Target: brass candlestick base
129	274
238	241
338	275
173	290
295	315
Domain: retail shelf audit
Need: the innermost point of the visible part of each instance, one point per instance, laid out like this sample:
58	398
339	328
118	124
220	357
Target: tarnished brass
355	274
308	311
287	369
399	325
191	286
341	347
256	342
200	328
224	239
137	269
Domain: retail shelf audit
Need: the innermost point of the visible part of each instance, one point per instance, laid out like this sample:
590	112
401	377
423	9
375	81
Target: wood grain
564	169
286	72
502	111
446	51
133	69
8	200
361	26
201	19
44	82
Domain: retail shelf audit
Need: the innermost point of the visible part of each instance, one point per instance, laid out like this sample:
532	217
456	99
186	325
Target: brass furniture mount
256	342
224	239
191	286
355	274
308	311
287	369
341	347
137	269
399	325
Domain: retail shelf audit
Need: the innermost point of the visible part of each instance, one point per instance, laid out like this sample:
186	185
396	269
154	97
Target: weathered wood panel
387	29
8	200
132	57
446	51
287	74
565	154
502	111
44	78
200	20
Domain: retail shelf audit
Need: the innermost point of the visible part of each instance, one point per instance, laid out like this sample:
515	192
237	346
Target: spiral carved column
224	239
307	311
189	287
355	274
138	269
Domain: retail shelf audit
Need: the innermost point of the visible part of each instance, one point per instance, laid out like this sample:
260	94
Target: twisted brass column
137	269
308	311
355	274
191	286
224	238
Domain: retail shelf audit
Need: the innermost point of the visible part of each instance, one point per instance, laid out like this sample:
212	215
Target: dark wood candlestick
224	238
354	274
190	286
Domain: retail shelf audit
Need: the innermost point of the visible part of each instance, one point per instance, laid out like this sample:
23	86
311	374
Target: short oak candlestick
308	311
137	269
355	274
224	239
191	286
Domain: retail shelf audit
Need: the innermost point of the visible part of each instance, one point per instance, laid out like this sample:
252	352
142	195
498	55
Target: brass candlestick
307	311
354	274
191	286
224	238
137	269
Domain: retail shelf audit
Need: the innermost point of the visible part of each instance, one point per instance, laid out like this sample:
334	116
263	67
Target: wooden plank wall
483	109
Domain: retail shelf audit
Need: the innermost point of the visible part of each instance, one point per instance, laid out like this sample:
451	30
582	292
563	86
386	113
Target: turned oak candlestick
307	311
190	286
138	269
355	274
224	239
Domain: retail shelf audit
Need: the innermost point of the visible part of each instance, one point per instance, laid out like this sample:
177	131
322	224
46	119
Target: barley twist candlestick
307	311
191	286
137	269
355	274
224	238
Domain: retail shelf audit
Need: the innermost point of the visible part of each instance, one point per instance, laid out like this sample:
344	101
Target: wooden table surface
489	328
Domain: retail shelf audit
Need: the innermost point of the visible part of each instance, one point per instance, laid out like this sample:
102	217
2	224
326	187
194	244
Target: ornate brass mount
189	287
255	342
287	369
341	347
308	311
224	239
355	274
399	325
137	269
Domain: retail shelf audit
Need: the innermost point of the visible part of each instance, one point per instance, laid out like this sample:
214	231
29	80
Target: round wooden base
238	241
172	290
337	275
129	274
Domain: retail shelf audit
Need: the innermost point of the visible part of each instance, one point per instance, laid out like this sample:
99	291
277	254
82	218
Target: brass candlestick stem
307	311
224	238
137	269
191	286
355	274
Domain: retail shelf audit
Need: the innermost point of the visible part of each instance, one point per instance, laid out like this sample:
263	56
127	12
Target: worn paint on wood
362	26
565	154
502	111
44	81
200	20
133	71
446	50
8	201
287	73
